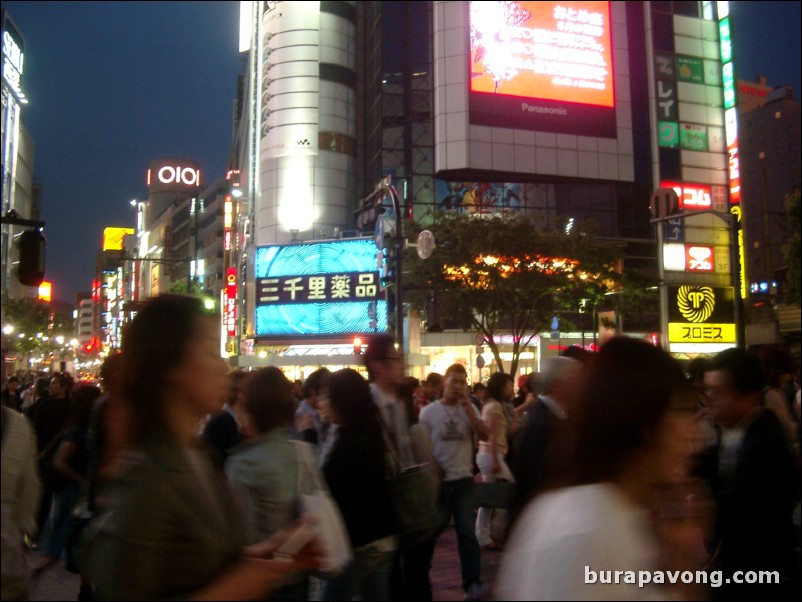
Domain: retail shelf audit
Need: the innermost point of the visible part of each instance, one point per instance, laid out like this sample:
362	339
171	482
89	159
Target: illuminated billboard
174	175
544	66
113	238
701	315
320	289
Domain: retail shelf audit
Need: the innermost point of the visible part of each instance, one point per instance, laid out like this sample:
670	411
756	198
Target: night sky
114	85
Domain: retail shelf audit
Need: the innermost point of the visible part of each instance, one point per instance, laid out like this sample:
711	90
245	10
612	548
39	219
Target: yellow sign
113	238
701	333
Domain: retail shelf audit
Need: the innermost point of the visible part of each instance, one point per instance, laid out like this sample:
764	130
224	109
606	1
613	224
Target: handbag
415	495
499	494
317	503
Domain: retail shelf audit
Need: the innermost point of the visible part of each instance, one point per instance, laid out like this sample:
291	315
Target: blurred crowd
191	480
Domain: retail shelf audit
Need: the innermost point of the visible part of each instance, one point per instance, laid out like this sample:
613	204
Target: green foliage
793	251
31	317
179	287
536	274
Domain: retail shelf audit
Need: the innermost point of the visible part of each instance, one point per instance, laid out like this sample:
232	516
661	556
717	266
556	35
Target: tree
505	274
30	317
792	253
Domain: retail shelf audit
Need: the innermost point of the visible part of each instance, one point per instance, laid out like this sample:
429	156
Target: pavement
56	583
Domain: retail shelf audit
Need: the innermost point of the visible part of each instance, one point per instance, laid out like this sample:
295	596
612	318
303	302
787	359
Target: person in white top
631	450
451	423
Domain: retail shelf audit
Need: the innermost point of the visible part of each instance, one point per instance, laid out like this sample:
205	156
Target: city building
464	109
21	196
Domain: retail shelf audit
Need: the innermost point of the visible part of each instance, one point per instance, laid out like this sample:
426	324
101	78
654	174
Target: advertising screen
319	290
542	65
701	314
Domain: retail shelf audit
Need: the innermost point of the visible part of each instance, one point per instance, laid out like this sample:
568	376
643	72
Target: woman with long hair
171	527
356	473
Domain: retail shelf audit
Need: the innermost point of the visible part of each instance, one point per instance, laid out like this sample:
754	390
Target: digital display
319	290
549	50
542	65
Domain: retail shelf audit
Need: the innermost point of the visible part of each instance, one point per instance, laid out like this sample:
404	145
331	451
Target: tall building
571	110
770	169
19	196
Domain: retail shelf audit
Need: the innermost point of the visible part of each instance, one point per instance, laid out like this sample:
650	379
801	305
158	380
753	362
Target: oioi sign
169	174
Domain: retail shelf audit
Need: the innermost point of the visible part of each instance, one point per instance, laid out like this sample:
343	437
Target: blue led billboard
319	290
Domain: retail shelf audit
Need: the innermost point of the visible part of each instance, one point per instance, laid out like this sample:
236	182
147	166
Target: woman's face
200	379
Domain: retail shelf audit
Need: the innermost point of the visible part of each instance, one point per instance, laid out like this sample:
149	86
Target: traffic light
357	346
31	258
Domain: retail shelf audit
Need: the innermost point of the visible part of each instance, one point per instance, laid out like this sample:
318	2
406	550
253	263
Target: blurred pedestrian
172	527
19	496
538	458
356	473
753	478
490	458
267	470
451	423
431	389
11	396
222	432
308	425
630	445
49	417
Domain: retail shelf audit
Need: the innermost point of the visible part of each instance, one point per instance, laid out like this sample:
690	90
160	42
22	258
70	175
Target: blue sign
674	230
319	290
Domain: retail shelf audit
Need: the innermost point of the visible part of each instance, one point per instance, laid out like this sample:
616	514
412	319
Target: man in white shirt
451	423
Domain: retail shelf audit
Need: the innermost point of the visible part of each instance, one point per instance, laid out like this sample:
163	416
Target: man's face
56	390
726	406
13	385
455	386
389	370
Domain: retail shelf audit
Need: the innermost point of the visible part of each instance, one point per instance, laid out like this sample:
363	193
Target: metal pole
735	265
399	249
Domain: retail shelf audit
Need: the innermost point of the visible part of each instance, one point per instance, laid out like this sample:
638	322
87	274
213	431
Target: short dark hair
496	384
379	347
456	369
743	369
630	387
319	379
268	399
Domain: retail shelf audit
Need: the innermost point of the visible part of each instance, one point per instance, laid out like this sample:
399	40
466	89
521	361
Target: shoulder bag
317	502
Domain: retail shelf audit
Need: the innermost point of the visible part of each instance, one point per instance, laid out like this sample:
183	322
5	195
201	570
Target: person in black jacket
356	473
753	479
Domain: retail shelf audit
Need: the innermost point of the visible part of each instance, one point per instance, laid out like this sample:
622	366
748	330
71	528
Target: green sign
690	70
668	134
726	40
693	137
728	73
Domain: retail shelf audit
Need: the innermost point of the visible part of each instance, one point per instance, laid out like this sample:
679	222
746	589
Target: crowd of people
619	462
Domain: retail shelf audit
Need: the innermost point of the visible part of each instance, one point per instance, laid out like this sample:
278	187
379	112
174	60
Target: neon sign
691	196
230	309
699	259
13	60
179	175
319	289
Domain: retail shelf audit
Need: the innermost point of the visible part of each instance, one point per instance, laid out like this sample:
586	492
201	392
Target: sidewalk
56	583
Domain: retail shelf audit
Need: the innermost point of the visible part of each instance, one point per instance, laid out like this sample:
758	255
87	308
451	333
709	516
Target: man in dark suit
752	476
535	460
222	431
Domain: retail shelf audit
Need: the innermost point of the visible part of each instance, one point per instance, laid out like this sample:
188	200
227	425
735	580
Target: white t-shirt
568	535
451	434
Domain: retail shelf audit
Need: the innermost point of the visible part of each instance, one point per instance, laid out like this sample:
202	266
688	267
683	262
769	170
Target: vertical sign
230	309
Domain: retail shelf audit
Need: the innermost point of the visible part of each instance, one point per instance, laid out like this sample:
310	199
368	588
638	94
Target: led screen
319	290
542	65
